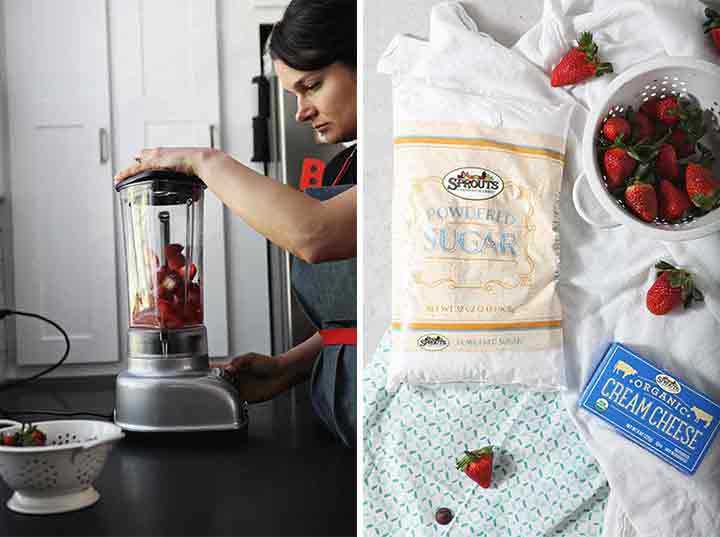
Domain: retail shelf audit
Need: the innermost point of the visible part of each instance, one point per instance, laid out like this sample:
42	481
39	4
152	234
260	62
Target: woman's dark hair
316	33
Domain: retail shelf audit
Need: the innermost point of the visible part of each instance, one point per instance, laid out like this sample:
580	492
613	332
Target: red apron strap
339	336
344	168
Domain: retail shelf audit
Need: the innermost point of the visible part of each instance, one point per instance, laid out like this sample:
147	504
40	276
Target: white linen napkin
605	274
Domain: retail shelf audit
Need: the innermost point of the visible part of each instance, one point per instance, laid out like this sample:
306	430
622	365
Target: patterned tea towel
545	481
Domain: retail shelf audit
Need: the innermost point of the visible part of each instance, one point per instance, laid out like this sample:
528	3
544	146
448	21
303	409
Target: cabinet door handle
103	146
212	136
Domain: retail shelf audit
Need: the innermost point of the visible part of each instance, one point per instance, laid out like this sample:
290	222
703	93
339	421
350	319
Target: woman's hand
181	159
258	377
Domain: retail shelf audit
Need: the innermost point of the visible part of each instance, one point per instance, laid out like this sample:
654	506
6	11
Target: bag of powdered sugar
478	164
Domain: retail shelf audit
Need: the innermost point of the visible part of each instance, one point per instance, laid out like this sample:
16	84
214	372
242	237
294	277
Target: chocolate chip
443	516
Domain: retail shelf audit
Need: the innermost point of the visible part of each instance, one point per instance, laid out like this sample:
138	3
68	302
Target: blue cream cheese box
654	409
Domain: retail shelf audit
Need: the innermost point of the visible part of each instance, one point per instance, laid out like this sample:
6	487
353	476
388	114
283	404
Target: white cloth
605	274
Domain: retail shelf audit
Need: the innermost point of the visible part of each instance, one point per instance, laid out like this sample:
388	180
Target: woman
313	49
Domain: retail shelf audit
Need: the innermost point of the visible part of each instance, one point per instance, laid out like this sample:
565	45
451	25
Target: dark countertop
284	476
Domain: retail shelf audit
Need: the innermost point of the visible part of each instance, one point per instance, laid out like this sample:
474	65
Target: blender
168	384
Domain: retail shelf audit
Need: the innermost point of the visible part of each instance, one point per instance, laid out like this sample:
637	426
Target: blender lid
172	178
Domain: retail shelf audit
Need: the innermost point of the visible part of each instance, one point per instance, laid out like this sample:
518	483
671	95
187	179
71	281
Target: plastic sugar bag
478	163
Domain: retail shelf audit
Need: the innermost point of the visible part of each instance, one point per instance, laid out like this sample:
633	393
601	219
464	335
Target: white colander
57	477
669	76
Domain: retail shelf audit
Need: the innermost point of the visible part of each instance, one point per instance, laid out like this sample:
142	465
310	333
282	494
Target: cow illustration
701	415
624	368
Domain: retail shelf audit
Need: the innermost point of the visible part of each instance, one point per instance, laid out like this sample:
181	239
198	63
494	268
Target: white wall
507	21
248	307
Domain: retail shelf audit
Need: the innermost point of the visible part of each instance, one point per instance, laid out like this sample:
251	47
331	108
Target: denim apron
327	293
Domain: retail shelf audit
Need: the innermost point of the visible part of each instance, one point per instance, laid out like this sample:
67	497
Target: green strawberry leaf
705	202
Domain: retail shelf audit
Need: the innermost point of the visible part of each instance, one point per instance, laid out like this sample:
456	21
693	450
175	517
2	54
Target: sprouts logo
473	183
667	383
433	342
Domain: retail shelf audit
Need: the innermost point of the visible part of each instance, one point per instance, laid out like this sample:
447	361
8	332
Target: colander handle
8	423
576	198
101	441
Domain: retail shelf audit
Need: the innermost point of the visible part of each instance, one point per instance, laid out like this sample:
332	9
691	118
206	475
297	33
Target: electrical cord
10	384
4	312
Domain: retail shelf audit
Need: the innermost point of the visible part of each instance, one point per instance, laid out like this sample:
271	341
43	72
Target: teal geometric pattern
545	481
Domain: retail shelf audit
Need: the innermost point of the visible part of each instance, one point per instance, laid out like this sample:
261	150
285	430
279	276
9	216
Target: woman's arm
260	378
312	230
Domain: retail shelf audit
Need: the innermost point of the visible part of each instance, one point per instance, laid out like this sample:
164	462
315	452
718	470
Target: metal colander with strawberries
650	149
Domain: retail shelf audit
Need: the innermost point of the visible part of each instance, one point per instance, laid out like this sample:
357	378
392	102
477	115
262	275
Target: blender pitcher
169	385
163	232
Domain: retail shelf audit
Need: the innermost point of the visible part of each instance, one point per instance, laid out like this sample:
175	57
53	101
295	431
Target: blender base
201	401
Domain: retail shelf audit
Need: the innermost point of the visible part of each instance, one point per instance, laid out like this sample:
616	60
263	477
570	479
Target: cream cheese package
651	407
475	245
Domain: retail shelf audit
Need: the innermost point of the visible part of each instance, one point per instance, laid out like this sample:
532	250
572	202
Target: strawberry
173	249
702	189
28	436
175	261
666	164
194	295
37	437
619	165
191	272
192	314
649	107
478	465
171	316
673	202
644	128
8	439
168	282
712	26
616	126
680	141
579	64
145	317
671	288
642	200
667	111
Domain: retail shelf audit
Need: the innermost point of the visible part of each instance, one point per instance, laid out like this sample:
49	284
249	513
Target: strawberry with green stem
615	127
641	199
712	26
642	126
701	187
672	287
28	436
477	465
667	111
673	203
618	163
682	113
580	63
682	142
620	160
666	163
649	107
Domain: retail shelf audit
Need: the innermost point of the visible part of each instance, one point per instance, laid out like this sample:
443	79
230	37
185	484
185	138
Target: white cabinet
154	63
61	178
270	3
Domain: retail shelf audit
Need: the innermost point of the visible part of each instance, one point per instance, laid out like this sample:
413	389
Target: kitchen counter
285	475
